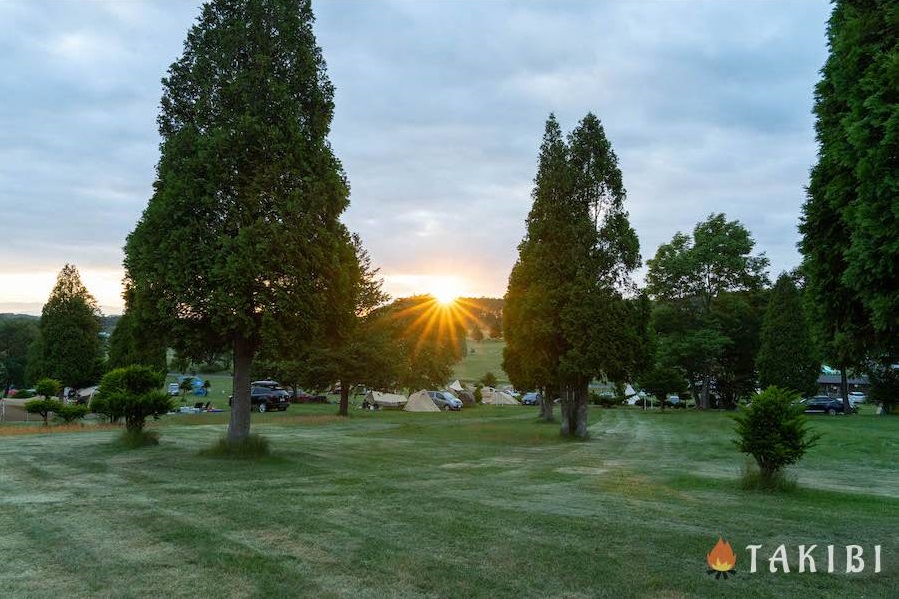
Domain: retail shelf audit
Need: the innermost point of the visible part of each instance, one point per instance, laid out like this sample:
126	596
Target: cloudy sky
440	107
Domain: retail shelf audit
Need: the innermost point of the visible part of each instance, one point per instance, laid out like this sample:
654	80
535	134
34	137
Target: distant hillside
107	323
11	316
484	312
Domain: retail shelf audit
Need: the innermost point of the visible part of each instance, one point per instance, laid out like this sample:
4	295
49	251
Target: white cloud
439	114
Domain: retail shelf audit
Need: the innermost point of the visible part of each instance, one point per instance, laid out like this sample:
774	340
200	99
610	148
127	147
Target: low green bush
604	400
43	407
132	393
72	412
489	380
48	387
772	429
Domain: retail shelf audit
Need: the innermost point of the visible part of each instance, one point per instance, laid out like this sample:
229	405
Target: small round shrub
489	380
48	387
71	412
132	393
772	429
43	407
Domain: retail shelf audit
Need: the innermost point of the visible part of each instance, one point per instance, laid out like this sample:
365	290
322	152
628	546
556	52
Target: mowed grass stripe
485	503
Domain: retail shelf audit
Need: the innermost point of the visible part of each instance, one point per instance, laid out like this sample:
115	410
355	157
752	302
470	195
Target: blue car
531	399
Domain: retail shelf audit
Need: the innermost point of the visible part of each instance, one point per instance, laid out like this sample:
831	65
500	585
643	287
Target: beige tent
455	386
421	402
498	398
386	400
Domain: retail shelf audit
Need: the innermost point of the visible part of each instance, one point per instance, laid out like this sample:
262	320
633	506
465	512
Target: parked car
857	397
174	389
824	405
266	398
675	402
445	400
531	399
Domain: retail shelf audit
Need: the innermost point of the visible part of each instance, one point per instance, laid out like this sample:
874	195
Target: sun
445	292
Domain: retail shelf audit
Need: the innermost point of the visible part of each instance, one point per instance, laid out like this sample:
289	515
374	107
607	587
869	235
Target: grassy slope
483	357
484	503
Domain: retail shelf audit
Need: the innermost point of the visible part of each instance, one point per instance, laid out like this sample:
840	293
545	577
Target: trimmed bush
772	429
489	380
132	393
71	412
43	407
47	387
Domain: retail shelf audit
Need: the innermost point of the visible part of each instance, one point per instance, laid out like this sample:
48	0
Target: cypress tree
68	347
238	243
565	318
849	225
786	357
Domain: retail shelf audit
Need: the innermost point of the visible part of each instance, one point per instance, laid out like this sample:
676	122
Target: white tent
386	400
456	386
498	398
421	402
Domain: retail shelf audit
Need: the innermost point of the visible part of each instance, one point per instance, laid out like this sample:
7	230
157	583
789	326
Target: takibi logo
722	560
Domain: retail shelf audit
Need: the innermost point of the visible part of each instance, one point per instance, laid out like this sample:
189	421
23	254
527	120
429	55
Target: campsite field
483	503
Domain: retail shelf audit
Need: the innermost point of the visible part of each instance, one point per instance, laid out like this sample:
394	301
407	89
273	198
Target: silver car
445	400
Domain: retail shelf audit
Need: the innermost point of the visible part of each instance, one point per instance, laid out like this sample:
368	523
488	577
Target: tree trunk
844	390
546	405
344	409
239	425
565	427
579	410
574	411
706	379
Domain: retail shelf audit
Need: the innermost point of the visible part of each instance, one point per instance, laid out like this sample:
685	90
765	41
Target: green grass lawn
483	503
483	357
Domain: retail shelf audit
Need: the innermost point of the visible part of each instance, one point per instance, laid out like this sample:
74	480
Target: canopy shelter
421	402
386	400
498	398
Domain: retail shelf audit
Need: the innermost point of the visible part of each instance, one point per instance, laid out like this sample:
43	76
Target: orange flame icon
721	559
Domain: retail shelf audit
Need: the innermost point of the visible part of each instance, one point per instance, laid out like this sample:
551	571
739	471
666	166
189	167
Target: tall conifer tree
849	222
68	347
786	357
565	317
241	236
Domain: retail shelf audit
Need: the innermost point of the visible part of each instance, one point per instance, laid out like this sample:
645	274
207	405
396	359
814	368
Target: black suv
824	405
267	395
